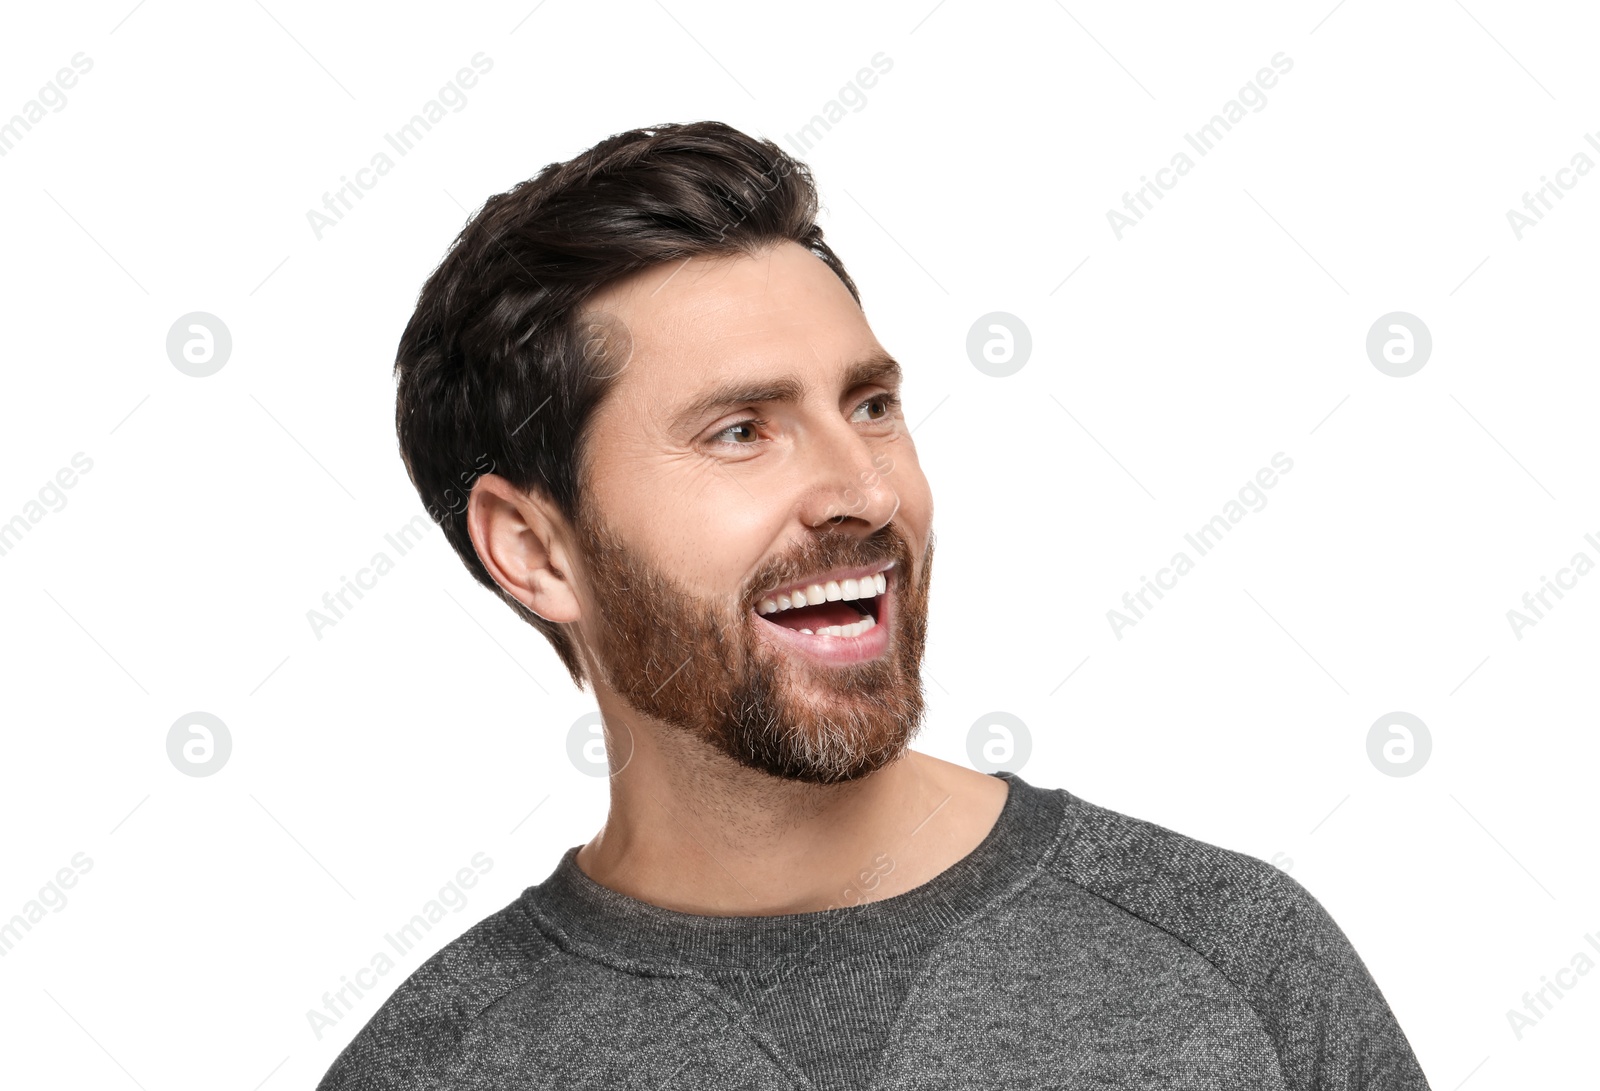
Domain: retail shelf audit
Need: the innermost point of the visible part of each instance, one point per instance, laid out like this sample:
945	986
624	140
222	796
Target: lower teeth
854	629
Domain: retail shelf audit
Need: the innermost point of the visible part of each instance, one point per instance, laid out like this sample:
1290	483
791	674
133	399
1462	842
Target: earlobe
514	535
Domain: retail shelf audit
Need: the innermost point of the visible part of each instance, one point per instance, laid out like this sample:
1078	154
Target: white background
368	766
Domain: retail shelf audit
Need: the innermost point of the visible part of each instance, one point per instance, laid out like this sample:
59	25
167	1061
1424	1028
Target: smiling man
685	462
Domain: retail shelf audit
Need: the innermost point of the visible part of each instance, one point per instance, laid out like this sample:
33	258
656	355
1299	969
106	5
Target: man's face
694	517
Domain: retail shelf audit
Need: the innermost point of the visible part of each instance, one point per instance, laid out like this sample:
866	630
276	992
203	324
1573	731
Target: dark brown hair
499	369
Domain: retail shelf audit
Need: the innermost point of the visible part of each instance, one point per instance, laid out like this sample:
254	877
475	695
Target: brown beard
698	663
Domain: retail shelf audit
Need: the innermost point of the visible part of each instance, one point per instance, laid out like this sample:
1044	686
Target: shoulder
1264	932
1227	905
412	1041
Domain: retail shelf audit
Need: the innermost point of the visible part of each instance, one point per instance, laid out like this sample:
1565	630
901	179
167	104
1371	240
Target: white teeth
855	629
865	587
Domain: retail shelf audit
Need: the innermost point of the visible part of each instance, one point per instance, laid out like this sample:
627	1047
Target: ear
520	538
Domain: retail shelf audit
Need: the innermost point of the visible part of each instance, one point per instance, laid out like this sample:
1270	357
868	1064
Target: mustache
827	553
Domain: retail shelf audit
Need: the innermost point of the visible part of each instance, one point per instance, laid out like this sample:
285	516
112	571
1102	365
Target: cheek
720	551
698	523
666	500
712	540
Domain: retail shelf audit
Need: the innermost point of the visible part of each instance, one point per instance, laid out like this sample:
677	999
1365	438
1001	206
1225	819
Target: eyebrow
879	368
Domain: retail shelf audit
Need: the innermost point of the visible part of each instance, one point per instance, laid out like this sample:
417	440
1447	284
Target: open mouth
837	608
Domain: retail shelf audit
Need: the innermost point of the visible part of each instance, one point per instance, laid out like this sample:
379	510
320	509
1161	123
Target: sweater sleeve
1267	935
1333	1029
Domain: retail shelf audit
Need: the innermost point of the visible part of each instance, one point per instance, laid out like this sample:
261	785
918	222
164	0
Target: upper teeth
865	588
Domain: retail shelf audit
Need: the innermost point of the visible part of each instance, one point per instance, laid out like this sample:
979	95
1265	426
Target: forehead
709	320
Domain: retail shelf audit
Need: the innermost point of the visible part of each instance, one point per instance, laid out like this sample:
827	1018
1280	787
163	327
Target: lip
840	650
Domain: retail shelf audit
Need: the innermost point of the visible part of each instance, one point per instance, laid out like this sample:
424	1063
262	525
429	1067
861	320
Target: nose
850	482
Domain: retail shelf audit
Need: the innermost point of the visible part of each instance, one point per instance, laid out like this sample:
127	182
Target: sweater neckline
601	923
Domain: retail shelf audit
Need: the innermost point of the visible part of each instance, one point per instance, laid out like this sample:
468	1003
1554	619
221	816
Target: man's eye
891	402
752	423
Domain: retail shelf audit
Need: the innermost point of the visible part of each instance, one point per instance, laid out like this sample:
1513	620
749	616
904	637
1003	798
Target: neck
698	833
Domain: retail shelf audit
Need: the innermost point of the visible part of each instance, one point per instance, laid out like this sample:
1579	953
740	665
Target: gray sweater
1073	948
